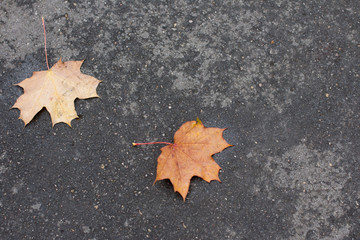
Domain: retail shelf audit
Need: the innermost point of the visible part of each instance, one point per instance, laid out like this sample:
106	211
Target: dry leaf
190	155
55	89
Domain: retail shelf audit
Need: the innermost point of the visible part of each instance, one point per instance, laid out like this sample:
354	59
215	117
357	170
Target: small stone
86	229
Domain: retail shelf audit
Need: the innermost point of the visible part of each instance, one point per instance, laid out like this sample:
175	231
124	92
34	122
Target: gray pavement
282	76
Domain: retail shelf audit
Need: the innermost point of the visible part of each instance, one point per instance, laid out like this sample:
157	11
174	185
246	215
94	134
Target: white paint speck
36	206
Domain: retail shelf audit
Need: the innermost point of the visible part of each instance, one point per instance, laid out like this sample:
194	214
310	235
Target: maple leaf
190	155
55	89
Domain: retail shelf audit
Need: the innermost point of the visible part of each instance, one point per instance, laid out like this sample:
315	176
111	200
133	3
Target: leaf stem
137	144
43	23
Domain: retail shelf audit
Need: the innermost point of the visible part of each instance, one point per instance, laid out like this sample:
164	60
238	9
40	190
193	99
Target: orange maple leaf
190	155
55	89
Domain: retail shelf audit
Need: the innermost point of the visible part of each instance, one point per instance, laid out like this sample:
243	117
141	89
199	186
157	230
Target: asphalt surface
281	76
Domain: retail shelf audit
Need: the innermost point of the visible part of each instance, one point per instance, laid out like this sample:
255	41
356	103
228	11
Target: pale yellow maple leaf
55	89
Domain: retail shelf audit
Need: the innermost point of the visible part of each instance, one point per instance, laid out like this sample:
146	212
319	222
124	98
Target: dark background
282	76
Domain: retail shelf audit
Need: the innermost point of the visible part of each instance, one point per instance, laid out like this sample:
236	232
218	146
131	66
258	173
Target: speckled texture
282	76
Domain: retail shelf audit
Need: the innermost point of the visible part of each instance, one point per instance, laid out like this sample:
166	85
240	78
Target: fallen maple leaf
55	89
190	155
